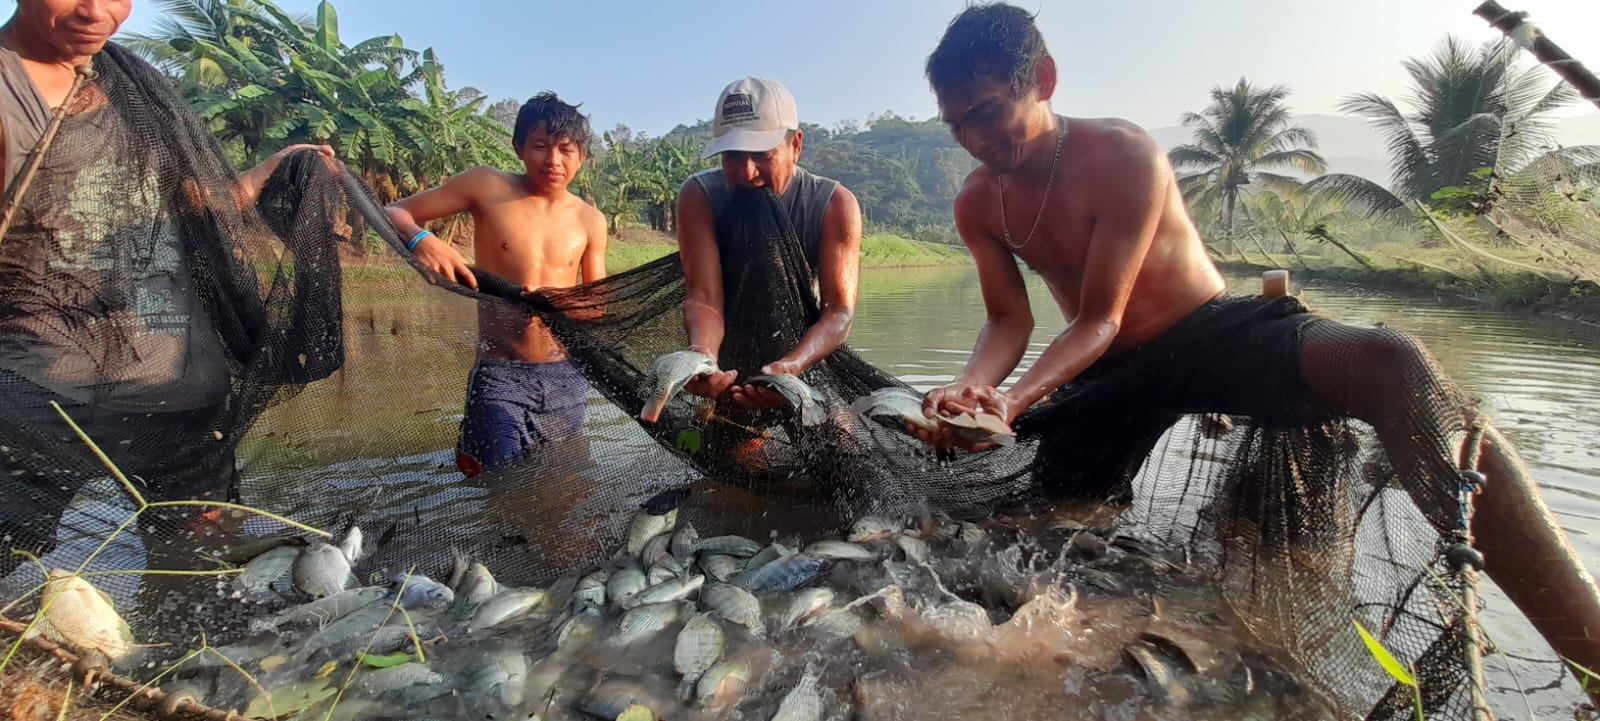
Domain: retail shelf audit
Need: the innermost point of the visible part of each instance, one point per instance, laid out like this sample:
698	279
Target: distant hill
906	172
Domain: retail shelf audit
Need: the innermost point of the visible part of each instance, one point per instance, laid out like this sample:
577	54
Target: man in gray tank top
756	131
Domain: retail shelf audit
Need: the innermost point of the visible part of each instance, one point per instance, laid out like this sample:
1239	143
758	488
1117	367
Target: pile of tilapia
897	619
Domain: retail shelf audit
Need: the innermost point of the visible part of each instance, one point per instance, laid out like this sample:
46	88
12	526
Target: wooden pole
1533	40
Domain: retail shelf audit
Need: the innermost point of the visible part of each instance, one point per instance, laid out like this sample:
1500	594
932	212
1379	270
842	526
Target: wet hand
439	257
711	385
783	367
326	151
752	396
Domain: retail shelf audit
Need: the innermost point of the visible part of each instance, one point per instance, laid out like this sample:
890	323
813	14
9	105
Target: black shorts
1238	355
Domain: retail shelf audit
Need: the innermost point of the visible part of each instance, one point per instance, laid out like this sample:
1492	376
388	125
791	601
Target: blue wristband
415	239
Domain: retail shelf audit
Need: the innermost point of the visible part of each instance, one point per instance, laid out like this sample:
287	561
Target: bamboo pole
1532	39
82	74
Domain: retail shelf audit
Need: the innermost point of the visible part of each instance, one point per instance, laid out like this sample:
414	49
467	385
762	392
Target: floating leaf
637	712
1584	674
327	669
291	699
1388	661
385	661
689	442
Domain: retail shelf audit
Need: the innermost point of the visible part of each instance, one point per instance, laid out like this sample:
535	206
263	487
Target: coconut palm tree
1238	138
1472	114
171	45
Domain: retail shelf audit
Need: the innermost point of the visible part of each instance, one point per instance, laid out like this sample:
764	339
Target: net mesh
212	347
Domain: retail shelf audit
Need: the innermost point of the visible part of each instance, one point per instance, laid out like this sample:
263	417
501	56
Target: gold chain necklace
1044	202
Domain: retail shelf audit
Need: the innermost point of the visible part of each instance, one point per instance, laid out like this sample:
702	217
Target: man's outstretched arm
1008	318
250	182
453	196
702	274
839	279
1126	215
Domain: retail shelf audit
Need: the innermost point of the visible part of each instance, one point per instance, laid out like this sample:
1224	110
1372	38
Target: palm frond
1193	156
1364	196
1300	159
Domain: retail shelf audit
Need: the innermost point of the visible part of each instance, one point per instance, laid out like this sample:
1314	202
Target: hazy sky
653	65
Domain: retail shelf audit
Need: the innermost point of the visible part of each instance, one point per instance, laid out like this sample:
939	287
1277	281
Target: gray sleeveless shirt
97	306
23	113
806	201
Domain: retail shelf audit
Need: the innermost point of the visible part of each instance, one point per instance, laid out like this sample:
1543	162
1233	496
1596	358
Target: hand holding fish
760	396
711	385
963	410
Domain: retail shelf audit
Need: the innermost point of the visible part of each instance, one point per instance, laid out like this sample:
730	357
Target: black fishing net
251	352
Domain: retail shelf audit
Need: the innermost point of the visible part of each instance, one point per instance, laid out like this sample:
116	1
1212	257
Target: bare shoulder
588	215
843	205
1117	140
482	179
976	196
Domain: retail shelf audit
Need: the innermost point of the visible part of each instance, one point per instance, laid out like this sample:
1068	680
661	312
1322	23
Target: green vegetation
1484	206
878	250
1483	203
1244	131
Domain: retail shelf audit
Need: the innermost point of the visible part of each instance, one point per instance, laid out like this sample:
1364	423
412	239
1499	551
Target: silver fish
655	547
322	570
511	604
659	574
624	584
805	604
736	605
868	528
477	586
394	678
699	646
783	574
683	542
834	623
504	676
916	549
81	614
266	569
647	525
900	404
415	591
723	686
982	427
768	555
377	641
737	546
353	546
591	591
840	551
666	562
669	375
1160	676
323	610
577	632
718	566
675	589
804	399
645	621
802	703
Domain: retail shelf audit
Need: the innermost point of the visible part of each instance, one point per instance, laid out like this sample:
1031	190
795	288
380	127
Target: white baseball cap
753	115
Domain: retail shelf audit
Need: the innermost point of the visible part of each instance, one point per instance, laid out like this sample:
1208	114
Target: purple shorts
513	407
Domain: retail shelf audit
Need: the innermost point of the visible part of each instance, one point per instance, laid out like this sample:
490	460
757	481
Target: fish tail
686	689
652	410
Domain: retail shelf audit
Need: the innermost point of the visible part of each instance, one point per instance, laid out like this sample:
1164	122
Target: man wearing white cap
757	132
